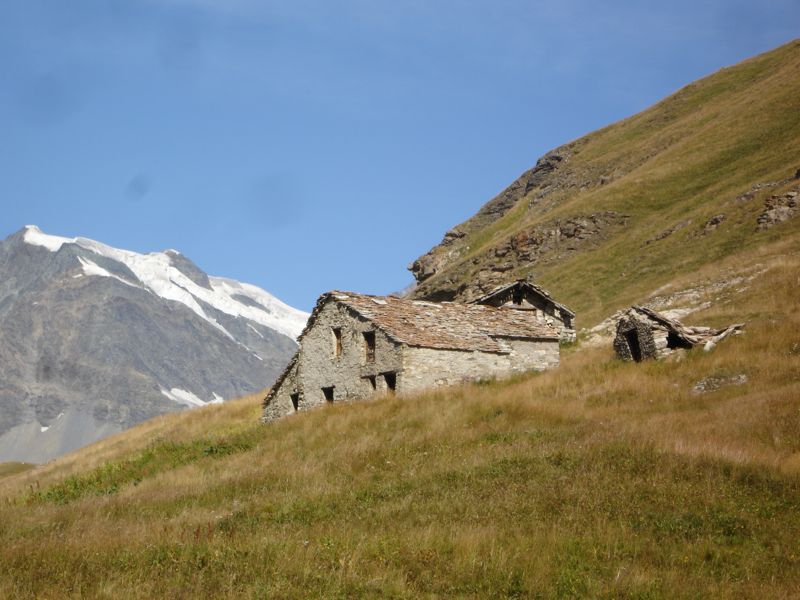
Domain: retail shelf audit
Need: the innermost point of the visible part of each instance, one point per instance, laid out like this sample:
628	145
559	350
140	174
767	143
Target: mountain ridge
96	339
687	178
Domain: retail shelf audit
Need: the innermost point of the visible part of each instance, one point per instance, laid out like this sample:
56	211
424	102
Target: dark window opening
391	381
337	341
373	381
328	393
632	338
369	345
295	400
517	297
675	341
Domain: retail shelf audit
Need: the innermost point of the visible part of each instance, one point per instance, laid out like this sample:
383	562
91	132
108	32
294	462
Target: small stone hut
524	295
643	333
355	345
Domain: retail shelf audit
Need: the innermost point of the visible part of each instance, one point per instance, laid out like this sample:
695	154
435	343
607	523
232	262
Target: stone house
355	345
643	333
524	295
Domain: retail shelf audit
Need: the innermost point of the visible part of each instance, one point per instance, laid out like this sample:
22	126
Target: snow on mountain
95	339
157	273
188	398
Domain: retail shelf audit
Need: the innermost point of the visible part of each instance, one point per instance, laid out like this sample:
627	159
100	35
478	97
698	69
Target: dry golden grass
600	479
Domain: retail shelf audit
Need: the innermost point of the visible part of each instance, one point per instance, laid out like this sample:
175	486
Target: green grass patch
157	458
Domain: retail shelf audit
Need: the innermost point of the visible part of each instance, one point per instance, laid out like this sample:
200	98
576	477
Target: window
391	381
337	341
328	393
369	346
373	381
295	400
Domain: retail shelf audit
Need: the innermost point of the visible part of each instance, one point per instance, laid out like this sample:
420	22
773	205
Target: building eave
532	286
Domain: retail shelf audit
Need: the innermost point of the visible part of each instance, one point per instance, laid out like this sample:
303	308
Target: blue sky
311	145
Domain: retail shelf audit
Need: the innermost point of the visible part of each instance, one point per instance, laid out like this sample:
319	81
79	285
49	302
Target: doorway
632	338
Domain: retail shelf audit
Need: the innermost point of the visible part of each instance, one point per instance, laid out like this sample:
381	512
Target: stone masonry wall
429	367
281	403
652	338
317	366
533	355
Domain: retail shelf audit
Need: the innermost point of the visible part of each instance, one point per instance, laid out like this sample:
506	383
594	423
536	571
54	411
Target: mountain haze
94	339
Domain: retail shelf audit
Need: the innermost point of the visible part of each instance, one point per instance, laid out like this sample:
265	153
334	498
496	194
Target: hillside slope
607	219
94	339
601	479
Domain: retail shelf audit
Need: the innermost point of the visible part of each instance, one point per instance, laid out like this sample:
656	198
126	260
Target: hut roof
692	335
444	325
523	286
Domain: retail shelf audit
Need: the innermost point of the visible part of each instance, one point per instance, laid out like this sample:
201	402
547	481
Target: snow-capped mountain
94	339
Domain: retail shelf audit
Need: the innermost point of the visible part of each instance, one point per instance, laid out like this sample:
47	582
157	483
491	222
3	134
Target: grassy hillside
672	167
12	468
601	479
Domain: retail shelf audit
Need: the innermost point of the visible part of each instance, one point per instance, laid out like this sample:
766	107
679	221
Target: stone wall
533	355
430	367
634	339
316	366
652	339
281	404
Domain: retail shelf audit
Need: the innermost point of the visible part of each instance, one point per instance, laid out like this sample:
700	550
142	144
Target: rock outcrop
542	244
779	208
550	173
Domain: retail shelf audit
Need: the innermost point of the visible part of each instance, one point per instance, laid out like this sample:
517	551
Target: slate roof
444	325
688	334
526	285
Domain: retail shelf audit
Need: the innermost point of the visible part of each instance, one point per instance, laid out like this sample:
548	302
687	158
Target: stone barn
524	295
643	333
355	345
